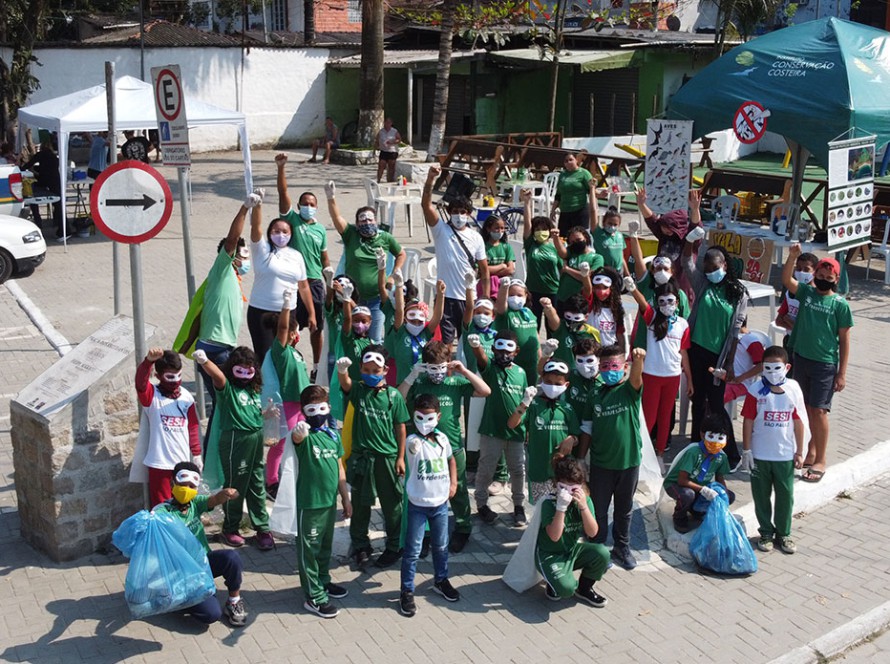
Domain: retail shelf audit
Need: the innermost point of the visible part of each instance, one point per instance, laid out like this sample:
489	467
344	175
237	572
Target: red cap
831	264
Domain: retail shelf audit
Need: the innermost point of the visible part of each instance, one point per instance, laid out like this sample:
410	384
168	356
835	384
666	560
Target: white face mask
437	372
553	391
425	423
775	372
804	277
460	220
414	328
516	302
482	321
587	365
661	277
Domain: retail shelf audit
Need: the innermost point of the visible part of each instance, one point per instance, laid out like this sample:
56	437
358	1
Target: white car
22	247
10	189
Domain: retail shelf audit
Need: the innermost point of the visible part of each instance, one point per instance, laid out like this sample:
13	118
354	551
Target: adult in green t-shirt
610	430
542	262
360	245
575	196
821	342
575	254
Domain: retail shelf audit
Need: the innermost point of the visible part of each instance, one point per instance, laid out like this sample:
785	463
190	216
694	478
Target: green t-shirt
568	285
615	442
405	349
568	338
646	286
310	239
579	389
507	386
291	369
221	314
692	461
451	393
239	408
191	517
485	338
376	412
573	188
319	457
574	527
498	254
354	348
548	423
610	247
542	266
389	315
525	325
714	318
361	262
819	318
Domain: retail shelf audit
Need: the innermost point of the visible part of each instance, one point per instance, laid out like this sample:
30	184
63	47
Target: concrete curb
50	333
840	639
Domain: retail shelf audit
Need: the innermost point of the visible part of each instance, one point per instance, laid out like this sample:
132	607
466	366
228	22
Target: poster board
851	192
668	154
751	255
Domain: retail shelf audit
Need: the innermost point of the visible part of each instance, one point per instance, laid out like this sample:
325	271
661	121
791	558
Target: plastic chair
727	205
881	251
411	269
429	281
519	251
550	181
777	333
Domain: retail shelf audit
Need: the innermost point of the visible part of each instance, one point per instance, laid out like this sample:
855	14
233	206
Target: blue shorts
816	379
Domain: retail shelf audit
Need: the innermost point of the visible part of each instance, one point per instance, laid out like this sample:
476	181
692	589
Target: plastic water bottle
719	217
782	225
271	423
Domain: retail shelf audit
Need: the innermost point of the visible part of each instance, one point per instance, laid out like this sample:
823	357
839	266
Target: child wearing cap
412	329
567	328
355	337
431	479
579	259
772	441
609	241
513	314
821	343
172	421
377	462
551	425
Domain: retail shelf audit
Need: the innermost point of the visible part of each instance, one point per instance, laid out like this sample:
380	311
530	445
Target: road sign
749	122
131	202
170	110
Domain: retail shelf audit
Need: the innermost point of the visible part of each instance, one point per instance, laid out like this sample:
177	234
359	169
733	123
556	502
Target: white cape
521	572
138	469
283	519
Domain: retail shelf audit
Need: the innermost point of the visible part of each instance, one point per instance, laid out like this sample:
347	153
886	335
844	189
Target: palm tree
443	75
370	114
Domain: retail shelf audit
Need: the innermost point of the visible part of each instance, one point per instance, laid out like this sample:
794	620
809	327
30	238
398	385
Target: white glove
398	279
629	284
414	447
695	234
198	461
290	298
343	365
380	255
469	280
416	370
528	395
747	461
330	189
504	282
584	269
261	192
563	499
474	340
252	201
633	228
348	289
708	493
199	356
300	431
548	348
328	274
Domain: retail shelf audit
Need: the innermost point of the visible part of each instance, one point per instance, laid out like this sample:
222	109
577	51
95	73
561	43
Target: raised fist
529	394
154	354
633	228
199	356
474	340
380	255
695	234
330	189
343	365
300	431
328	274
252	201
548	348
280	159
629	284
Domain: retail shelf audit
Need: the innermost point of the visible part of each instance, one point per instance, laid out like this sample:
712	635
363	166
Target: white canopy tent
87	110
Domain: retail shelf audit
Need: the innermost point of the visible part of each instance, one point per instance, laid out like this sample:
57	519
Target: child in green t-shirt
500	255
609	241
412	329
478	320
513	314
377	462
579	258
694	469
570	328
585	373
355	335
320	479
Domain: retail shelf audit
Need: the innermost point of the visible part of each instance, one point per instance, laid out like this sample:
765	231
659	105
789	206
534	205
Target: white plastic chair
550	181
429	281
777	333
881	251
411	269
519	251
728	206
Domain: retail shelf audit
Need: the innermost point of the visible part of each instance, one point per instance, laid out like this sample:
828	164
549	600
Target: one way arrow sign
131	202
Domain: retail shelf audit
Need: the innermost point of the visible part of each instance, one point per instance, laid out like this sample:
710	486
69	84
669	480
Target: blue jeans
377	319
219	355
417	518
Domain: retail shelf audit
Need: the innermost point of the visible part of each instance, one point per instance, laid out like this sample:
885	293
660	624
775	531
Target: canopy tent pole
799	157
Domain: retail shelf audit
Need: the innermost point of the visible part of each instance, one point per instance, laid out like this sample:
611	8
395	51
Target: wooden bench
549	139
542	160
481	160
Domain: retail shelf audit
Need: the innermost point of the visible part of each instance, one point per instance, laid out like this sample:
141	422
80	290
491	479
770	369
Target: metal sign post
112	133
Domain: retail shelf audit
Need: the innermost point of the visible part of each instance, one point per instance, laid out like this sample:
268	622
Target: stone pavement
663	611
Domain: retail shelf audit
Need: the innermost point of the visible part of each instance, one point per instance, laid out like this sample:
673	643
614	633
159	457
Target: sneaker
324	610
425	546
272	491
264	541
591	596
623	557
458	542
232	539
236	613
787	545
407	607
551	593
446	590
335	591
681	524
519	518
495	488
765	544
387	558
486	514
361	558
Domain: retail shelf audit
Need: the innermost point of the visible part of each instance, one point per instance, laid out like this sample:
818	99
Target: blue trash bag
720	544
168	565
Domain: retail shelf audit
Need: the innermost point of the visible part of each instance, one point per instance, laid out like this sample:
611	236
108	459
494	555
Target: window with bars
279	15
353	11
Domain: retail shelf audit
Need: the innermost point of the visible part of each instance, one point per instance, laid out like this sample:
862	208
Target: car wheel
7	264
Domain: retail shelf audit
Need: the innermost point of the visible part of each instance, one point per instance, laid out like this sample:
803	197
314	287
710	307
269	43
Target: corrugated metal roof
160	34
586	60
399	59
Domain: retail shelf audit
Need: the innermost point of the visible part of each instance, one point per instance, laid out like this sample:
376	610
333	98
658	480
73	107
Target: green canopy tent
819	80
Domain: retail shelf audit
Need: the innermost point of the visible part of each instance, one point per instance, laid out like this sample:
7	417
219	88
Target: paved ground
874	651
664	611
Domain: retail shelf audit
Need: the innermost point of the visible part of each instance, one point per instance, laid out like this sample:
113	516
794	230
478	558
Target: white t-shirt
383	136
793	305
604	321
451	259
428	478
273	271
772	438
663	358
748	353
168	430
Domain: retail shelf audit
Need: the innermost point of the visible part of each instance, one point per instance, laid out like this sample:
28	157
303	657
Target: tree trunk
443	77
370	115
558	21
309	22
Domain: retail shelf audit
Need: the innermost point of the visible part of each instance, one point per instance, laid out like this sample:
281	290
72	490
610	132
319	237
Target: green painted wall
525	99
341	95
395	98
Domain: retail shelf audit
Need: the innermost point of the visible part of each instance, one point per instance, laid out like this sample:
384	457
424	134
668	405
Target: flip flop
812	475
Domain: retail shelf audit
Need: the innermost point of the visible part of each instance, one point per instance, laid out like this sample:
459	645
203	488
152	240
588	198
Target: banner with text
751	256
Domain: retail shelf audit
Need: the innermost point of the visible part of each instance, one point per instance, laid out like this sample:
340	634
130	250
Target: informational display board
173	126
751	256
668	152
851	192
